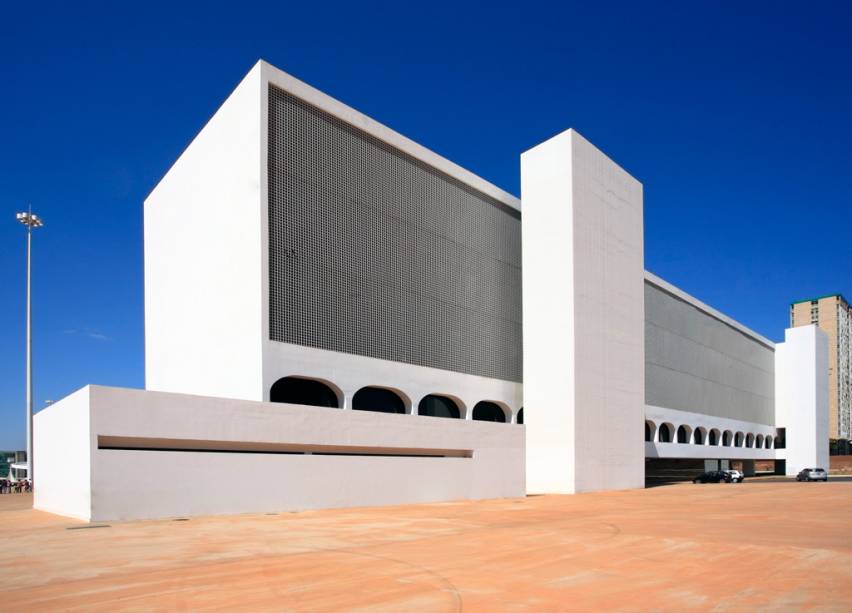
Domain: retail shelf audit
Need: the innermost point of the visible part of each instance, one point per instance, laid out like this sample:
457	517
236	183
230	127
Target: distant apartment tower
833	314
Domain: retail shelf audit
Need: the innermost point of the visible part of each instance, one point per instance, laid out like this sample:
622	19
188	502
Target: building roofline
718	315
795	302
345	113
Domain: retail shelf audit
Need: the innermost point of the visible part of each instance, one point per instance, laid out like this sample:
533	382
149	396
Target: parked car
736	476
713	476
812	474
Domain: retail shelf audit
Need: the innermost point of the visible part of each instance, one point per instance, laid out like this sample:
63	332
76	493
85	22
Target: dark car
713	476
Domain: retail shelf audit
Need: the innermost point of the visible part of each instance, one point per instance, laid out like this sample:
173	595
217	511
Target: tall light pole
30	220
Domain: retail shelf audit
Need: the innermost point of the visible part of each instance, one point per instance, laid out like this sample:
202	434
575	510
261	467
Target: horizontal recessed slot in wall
134	443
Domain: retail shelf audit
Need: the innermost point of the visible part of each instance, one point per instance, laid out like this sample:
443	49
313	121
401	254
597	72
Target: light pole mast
30	220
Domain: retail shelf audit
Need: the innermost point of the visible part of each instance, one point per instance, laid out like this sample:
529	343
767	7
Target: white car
736	476
812	474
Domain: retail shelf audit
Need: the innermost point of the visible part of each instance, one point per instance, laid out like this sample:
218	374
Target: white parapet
705	436
584	388
112	454
801	397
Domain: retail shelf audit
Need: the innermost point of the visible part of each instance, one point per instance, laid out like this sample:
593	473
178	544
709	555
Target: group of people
7	486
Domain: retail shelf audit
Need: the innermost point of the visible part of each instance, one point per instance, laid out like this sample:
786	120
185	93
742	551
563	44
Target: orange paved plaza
766	545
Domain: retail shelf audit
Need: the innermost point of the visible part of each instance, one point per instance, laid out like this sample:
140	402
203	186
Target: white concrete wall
583	319
63	445
203	258
134	484
349	373
693	421
801	397
548	298
700	452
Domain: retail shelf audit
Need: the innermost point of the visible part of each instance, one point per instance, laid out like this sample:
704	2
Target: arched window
727	438
713	437
682	434
521	416
438	406
698	436
488	411
738	440
378	399
750	440
758	441
650	430
666	432
296	390
768	442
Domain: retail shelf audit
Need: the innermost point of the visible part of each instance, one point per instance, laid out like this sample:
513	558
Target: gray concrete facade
695	361
374	253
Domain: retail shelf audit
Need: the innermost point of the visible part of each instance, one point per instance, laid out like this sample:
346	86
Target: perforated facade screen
694	362
372	252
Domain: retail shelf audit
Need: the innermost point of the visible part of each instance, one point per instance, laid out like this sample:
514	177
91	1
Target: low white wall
62	447
135	484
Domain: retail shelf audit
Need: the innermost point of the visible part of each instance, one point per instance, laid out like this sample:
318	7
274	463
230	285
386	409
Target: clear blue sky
737	117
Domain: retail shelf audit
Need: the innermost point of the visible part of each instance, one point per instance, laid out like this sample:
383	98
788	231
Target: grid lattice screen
372	252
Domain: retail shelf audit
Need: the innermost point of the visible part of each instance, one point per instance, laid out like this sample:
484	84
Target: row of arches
683	434
312	392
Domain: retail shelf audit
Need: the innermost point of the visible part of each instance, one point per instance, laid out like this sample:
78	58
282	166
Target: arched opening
768	442
438	406
727	438
738	440
521	416
650	430
699	436
682	434
666	433
297	390
713	437
488	411
758	441
378	399
749	440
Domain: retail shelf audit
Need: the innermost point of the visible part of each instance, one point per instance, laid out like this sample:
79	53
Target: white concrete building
240	217
801	393
336	316
717	391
